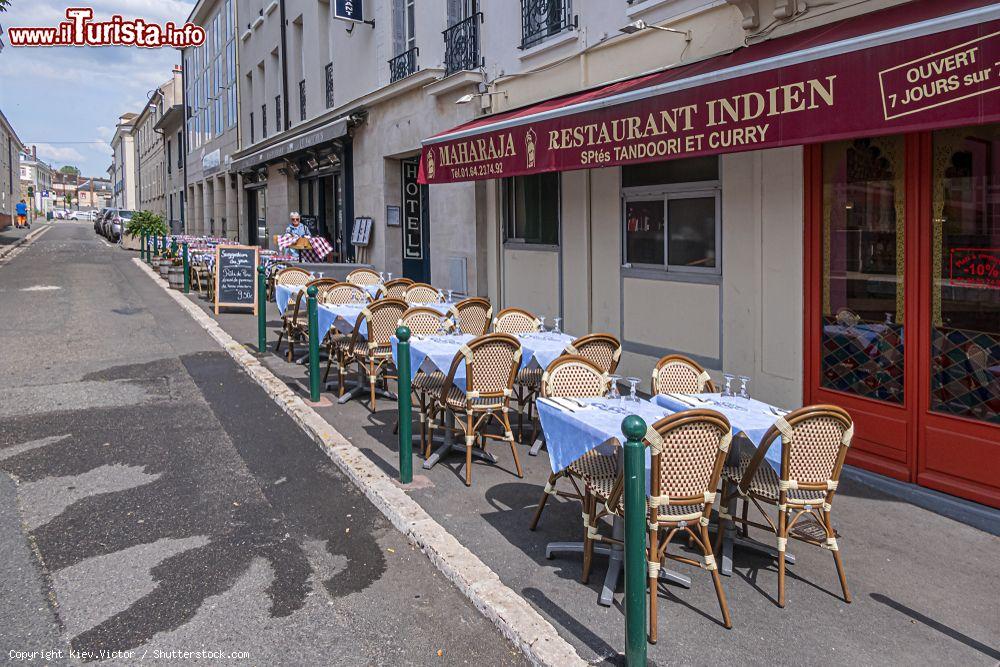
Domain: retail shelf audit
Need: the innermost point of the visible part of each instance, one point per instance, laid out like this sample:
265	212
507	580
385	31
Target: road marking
40	288
13	451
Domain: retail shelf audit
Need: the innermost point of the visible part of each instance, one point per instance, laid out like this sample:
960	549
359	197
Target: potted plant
175	273
143	223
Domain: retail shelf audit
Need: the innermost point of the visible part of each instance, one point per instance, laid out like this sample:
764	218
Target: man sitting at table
295	226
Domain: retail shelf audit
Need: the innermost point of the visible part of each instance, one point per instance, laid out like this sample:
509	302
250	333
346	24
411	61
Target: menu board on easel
236	277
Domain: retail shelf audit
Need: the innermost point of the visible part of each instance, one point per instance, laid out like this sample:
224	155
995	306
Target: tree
67	169
4	4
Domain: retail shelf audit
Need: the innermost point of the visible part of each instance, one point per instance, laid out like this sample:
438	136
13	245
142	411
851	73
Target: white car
81	215
59	214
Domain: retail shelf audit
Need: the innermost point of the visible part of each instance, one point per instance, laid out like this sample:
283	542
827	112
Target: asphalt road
153	499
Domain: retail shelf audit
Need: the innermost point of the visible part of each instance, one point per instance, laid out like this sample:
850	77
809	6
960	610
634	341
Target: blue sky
53	96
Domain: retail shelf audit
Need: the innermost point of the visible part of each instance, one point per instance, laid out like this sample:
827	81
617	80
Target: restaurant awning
915	66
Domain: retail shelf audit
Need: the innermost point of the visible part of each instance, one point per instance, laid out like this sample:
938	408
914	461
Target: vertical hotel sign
946	79
413	236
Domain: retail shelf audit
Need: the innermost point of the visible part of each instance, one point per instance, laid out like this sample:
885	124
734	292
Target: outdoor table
571	433
751	419
373	290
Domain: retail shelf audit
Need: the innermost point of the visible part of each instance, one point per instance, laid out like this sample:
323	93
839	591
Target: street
154	499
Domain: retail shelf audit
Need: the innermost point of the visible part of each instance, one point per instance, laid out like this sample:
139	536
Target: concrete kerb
516	619
22	243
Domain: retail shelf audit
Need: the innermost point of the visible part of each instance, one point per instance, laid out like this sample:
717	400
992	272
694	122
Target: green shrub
146	222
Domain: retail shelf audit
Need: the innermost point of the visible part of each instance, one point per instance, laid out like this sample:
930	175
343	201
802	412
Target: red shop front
898	113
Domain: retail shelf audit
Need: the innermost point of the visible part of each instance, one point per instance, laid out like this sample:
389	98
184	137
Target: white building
10	171
124	174
150	146
37	175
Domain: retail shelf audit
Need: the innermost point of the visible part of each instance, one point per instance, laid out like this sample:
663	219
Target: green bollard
163	244
156	245
634	428
142	246
187	269
173	246
262	311
405	405
313	346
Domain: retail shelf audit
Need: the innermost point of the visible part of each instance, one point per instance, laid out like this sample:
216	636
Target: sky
66	100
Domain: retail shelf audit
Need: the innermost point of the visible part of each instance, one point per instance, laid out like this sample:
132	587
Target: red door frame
952	454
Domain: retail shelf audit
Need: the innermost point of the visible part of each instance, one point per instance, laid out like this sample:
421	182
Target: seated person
295	226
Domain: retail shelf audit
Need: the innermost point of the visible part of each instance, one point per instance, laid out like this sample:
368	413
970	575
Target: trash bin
48	215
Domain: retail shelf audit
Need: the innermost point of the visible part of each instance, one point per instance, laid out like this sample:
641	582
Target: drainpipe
284	66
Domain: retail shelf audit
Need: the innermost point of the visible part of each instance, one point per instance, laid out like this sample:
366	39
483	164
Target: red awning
920	65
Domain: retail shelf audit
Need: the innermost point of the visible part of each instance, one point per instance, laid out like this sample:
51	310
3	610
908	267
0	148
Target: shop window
531	209
671	218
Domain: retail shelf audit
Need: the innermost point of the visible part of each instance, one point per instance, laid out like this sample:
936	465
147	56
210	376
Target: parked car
81	215
116	224
58	214
105	228
99	219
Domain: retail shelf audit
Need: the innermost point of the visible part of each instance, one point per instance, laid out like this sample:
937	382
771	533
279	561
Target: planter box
175	277
131	242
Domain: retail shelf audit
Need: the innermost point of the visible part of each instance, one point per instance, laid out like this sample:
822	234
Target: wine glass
541	324
444	325
613	387
555	327
744	387
728	389
388	276
633	383
451	296
381	277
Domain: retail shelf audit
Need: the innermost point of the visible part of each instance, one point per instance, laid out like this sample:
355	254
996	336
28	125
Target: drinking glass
613	388
319	273
744	387
633	386
388	276
541	324
440	296
444	325
555	327
728	389
381	277
451	296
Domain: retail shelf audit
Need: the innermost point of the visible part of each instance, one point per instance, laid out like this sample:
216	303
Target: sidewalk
922	589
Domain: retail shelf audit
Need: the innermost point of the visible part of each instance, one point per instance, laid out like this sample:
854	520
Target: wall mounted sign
210	161
392	216
361	233
349	10
416	223
805	88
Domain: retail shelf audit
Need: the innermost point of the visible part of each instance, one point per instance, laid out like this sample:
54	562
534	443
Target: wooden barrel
175	277
164	267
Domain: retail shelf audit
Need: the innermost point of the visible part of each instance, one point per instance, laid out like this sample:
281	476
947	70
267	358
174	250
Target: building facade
124	173
742	222
150	147
213	198
36	183
171	128
94	193
10	171
333	116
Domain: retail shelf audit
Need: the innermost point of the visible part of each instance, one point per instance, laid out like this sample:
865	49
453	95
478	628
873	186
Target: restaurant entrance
903	304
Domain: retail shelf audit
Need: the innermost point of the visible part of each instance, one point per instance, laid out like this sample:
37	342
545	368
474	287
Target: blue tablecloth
342	316
541	349
570	435
284	293
753	421
373	290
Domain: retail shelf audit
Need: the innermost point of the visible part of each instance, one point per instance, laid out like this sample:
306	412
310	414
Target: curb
20	243
517	620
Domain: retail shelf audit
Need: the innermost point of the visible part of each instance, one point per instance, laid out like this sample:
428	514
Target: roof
10	129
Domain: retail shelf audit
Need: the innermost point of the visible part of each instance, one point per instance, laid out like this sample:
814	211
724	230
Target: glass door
960	443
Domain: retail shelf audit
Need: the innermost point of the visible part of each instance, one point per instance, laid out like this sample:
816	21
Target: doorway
416	224
903	316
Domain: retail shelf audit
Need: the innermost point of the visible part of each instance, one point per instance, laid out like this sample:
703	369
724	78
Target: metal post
156	245
163	243
313	346
142	246
173	246
262	311
634	428
187	269
405	405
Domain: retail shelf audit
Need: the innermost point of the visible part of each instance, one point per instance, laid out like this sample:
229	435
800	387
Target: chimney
34	152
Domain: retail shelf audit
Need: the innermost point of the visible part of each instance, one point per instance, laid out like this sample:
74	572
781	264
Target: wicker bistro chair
604	350
576	377
814	443
374	355
422	293
491	362
337	343
687	453
516	321
295	321
424	321
473	315
363	277
396	288
675	373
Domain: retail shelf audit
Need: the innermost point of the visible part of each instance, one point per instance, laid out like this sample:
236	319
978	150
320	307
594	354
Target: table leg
448	446
536	447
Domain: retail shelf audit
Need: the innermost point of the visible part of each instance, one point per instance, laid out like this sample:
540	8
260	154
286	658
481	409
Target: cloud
63	154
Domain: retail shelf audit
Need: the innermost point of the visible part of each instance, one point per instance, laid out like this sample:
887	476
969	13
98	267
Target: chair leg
782	541
589	511
513	445
470	440
277	346
371	382
745	515
340	372
652	582
721	529
545	498
520	413
836	559
721	594
431	416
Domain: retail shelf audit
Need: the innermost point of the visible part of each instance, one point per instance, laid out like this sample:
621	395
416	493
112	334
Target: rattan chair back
292	275
343	293
515	321
687	452
363	277
422	293
381	317
574	376
677	374
396	288
323	287
604	350
423	321
473	315
491	363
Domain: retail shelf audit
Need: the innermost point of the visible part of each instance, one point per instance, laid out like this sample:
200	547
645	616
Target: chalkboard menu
236	277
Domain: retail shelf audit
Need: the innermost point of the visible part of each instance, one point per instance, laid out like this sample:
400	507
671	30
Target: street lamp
639	25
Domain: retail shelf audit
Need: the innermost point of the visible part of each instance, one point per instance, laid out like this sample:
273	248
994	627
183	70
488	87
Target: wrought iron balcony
541	19
403	65
329	85
302	99
461	45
